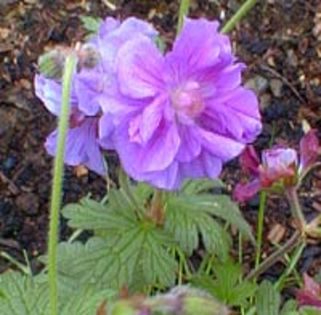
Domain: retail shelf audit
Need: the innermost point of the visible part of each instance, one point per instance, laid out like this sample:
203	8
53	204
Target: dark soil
280	41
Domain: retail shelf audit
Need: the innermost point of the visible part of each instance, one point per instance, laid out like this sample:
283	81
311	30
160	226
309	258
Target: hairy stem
241	12
260	224
57	185
296	210
157	207
271	260
183	11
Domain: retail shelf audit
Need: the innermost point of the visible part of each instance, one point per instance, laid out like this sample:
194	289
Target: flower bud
51	64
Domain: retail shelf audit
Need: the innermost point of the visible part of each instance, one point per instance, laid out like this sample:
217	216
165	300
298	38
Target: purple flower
82	143
88	125
183	114
91	84
310	295
280	166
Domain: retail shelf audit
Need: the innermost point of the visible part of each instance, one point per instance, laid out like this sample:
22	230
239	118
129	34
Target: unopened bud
88	57
51	64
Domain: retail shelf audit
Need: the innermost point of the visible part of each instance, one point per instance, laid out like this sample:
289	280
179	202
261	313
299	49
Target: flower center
187	99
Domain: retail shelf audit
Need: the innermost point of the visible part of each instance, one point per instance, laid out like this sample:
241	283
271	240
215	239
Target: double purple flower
170	117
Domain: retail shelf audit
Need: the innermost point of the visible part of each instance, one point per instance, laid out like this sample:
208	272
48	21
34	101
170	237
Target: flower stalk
157	212
292	195
242	11
57	184
272	259
183	11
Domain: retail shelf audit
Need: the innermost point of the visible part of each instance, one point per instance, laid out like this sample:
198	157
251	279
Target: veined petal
156	155
219	145
82	146
106	128
151	118
141	68
49	91
199	45
190	146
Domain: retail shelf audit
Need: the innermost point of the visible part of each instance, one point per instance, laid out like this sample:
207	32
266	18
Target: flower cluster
169	116
280	167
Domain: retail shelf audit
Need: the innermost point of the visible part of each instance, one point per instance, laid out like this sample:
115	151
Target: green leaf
22	296
188	216
289	307
226	286
114	260
92	215
91	24
85	301
268	299
196	186
309	311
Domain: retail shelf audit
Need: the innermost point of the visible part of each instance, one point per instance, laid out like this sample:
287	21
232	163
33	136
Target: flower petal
244	192
249	161
140	68
190	146
221	146
156	155
82	146
309	149
199	45
151	118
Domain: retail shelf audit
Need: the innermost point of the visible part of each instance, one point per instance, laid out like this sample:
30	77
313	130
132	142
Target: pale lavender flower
82	143
183	114
93	77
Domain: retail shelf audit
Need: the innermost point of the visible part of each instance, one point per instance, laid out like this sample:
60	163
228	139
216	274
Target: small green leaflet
225	284
91	24
268	299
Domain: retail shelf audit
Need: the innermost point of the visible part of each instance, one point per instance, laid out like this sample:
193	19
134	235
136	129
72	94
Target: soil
280	41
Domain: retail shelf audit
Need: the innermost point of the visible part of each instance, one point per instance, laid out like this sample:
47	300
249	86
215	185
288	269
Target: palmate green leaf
113	261
188	216
118	212
22	296
268	299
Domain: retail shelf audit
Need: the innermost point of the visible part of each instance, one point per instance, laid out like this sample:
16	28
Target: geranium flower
280	167
82	143
183	114
310	294
92	78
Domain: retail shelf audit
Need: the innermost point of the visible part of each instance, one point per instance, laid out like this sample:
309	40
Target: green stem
157	207
57	185
260	224
241	12
271	260
183	11
291	266
297	213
